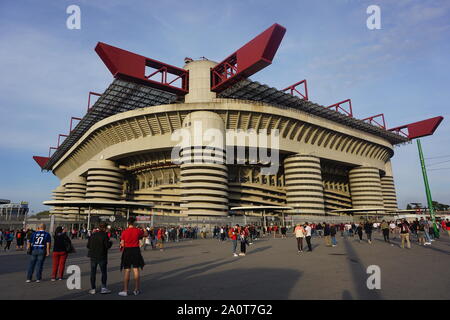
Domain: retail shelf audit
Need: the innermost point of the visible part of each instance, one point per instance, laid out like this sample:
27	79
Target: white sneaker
92	291
52	279
136	292
123	293
28	281
38	281
105	291
234	254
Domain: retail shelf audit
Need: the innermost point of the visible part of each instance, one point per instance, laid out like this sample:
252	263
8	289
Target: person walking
61	248
333	231
308	230
98	245
243	237
421	234
39	248
160	237
319	229
9	237
131	256
359	231
385	230
404	234
368	227
300	233
233	235
425	226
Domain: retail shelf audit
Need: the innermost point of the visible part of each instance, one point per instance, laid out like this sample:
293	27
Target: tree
42	214
440	206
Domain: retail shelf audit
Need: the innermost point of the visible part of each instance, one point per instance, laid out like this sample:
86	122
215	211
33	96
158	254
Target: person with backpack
368	228
61	248
9	236
20	236
98	245
39	248
404	233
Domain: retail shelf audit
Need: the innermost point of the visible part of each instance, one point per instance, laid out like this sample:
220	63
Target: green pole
427	188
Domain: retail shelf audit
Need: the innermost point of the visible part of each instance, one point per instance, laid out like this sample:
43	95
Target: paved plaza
272	269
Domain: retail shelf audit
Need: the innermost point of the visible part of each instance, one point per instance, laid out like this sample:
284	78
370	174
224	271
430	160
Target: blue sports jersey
39	239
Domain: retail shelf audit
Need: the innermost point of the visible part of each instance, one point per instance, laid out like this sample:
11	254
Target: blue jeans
234	245
333	240
427	236
37	260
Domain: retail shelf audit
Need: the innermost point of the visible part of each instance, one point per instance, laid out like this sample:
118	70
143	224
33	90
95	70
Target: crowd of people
40	244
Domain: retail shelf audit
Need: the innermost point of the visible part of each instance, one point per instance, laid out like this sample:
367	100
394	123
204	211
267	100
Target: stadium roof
254	91
119	97
122	95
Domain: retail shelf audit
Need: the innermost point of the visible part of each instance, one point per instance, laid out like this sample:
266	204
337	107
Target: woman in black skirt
131	255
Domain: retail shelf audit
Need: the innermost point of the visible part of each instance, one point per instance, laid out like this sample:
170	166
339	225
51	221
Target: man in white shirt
308	236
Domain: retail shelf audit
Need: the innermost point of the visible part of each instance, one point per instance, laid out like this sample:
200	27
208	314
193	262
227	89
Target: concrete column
199	81
59	195
304	185
75	189
203	170
388	189
365	187
104	181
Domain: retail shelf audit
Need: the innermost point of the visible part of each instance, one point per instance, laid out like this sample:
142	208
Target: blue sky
402	70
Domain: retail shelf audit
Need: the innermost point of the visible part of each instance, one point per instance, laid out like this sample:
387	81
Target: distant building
11	213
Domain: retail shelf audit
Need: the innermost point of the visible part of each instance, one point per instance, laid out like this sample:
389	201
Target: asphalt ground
272	269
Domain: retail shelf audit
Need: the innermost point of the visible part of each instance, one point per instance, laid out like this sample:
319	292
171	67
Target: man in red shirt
131	255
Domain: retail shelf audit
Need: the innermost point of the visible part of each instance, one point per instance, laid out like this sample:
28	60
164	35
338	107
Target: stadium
118	158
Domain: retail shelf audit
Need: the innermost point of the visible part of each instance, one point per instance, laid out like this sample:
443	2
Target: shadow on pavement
236	284
359	275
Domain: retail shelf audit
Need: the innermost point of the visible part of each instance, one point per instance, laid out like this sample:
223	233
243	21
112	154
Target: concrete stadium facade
324	165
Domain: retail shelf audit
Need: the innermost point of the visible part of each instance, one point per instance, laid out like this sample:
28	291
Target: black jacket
60	242
98	245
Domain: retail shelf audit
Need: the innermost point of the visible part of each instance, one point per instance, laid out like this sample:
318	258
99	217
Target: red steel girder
131	66
372	120
59	138
71	122
91	93
249	59
293	89
50	150
420	128
339	108
41	161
